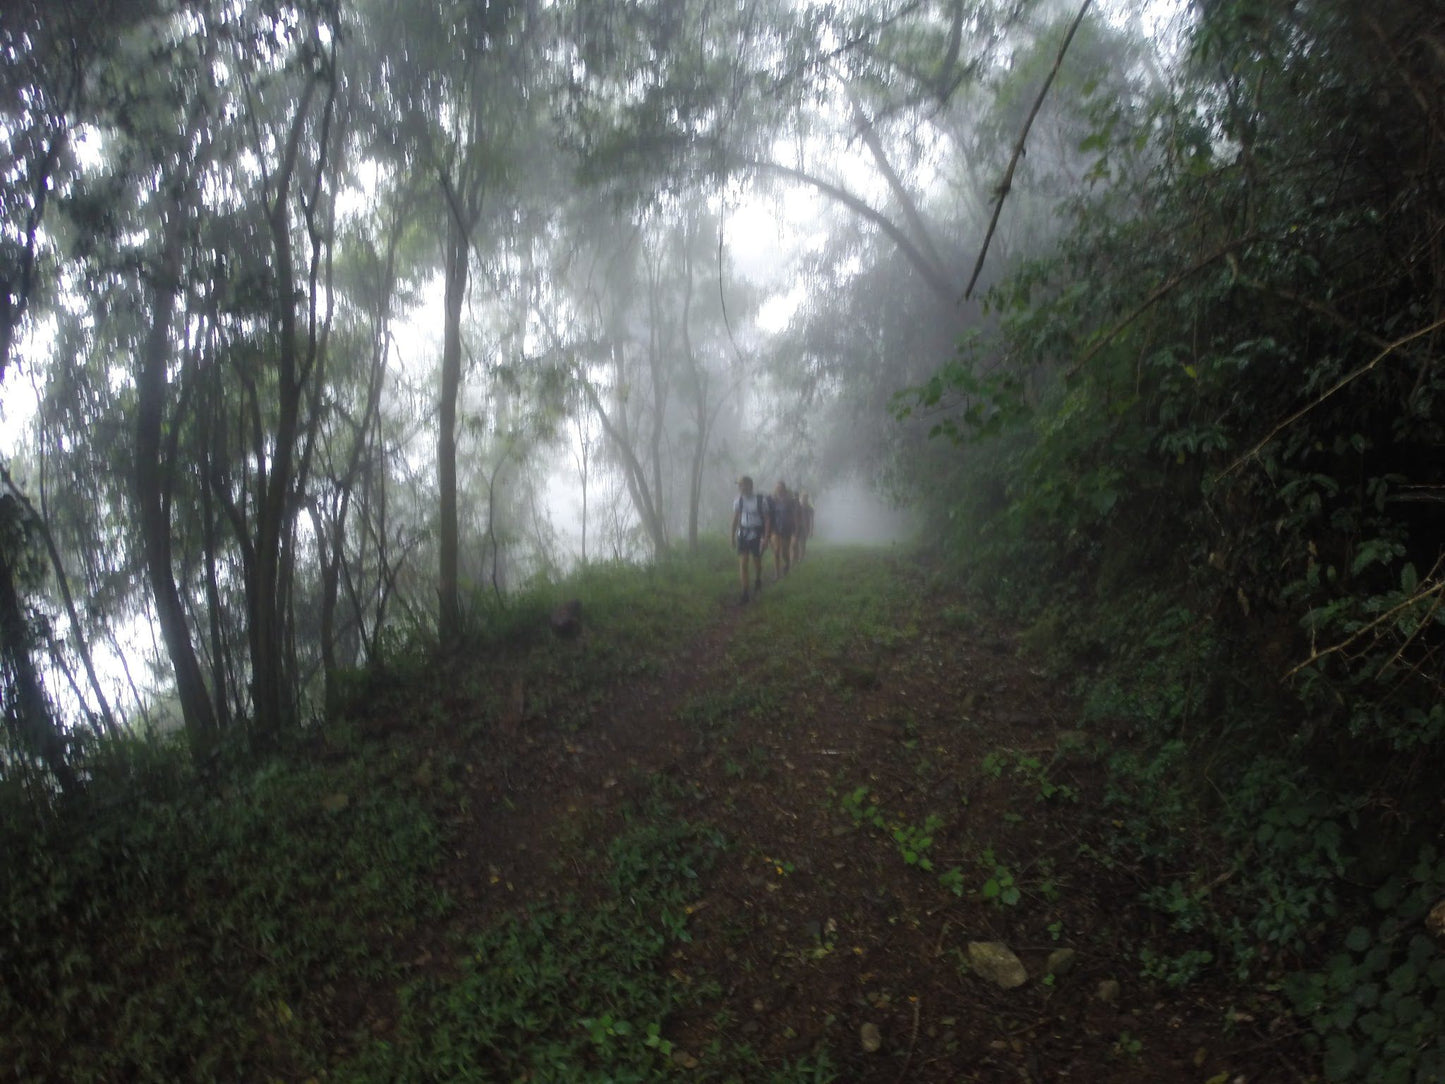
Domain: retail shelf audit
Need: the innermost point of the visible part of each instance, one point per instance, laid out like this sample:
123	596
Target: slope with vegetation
699	842
1202	458
1165	687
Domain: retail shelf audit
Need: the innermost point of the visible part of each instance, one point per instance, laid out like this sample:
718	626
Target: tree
49	54
457	87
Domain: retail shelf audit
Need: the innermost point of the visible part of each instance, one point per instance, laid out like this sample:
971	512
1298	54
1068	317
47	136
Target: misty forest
390	692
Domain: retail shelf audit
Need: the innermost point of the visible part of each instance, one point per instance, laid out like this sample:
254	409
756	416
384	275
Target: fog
516	291
851	513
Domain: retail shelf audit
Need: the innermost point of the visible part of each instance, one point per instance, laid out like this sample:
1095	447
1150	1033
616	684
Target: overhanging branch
1008	177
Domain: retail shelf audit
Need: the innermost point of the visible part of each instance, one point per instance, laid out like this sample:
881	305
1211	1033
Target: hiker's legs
749	548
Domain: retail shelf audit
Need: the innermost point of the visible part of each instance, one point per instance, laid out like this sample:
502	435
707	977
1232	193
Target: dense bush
1222	490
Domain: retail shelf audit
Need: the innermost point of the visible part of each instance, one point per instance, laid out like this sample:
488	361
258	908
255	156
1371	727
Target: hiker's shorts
750	542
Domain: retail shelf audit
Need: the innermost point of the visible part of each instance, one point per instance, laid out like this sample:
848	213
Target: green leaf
1340	1057
1403	978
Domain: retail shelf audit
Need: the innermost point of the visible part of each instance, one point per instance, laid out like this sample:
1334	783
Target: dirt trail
906	795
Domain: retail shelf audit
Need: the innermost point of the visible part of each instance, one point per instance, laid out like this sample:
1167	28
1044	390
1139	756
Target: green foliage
999	888
632	619
1175	971
1211	509
914	842
169	929
1030	771
1374	1006
567	992
856	804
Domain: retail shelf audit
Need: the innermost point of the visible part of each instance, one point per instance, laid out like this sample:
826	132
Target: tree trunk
448	543
633	473
219	691
151	486
272	690
699	459
699	389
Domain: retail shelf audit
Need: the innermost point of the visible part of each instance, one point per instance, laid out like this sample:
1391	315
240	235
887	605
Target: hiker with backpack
752	522
784	522
804	527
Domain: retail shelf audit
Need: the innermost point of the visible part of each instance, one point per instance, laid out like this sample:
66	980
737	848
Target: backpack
753	512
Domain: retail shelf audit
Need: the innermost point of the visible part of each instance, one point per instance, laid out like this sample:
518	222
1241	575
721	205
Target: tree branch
1008	177
935	279
1345	380
895	184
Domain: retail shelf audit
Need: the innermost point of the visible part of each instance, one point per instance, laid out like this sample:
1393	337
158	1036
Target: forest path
894	781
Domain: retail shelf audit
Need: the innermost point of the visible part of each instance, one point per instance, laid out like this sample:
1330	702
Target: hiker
804	529
784	520
751	524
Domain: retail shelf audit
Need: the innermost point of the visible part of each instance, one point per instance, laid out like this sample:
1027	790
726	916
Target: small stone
869	1038
994	961
1061	962
1435	920
1108	991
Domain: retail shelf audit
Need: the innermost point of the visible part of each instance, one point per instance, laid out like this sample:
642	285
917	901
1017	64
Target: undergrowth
176	929
574	990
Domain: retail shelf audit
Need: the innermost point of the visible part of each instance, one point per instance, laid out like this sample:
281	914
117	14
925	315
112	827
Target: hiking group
782	522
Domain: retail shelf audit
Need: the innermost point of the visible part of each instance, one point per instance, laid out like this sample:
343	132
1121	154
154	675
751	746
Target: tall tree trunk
212	448
699	398
152	485
633	473
585	452
448	544
271	687
699	459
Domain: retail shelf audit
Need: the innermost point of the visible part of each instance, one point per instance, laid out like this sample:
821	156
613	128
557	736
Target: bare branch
1008	177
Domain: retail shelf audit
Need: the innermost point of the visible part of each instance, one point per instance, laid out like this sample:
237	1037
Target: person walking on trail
751	524
804	528
785	519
